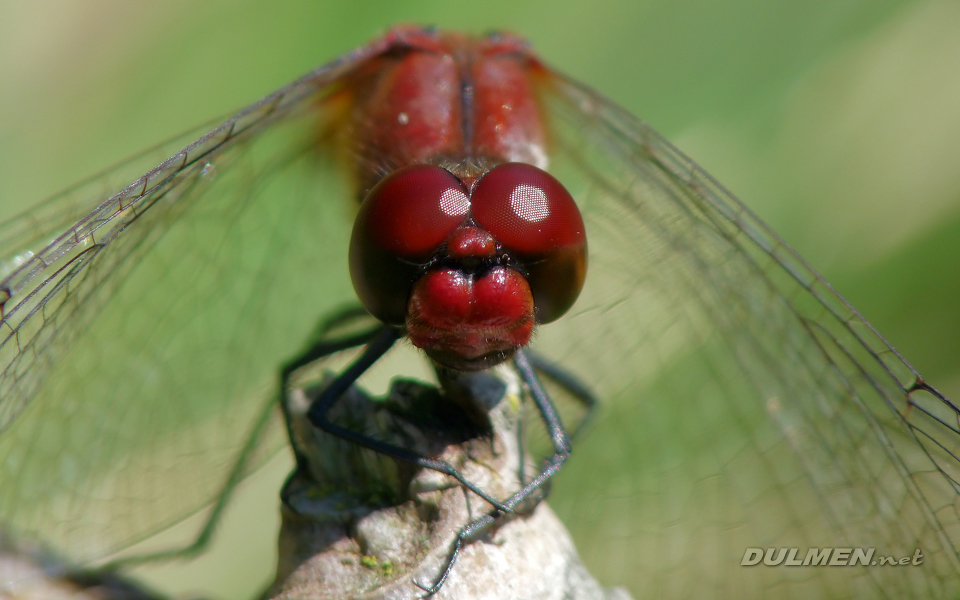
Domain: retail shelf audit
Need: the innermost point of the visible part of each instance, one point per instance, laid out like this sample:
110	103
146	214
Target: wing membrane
139	344
747	404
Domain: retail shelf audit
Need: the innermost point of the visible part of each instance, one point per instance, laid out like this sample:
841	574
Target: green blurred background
837	121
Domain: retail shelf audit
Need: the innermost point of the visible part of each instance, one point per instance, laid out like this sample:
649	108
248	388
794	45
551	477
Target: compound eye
403	220
537	222
527	210
412	211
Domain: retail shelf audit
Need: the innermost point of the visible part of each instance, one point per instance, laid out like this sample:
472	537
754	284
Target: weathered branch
357	524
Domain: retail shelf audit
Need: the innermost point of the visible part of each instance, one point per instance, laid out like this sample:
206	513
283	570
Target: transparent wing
26	234
746	404
142	330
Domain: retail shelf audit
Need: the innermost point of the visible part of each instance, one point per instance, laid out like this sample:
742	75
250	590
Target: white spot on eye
403	118
529	203
454	202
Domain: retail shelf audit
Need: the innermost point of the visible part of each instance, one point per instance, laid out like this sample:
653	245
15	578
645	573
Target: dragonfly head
468	266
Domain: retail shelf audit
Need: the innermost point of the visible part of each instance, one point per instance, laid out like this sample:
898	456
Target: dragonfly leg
317	414
569	382
561	444
322	346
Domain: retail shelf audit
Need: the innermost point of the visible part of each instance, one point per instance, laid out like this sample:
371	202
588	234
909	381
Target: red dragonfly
498	208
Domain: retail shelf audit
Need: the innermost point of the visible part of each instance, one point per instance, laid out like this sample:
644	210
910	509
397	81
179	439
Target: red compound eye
403	220
412	210
527	210
537	222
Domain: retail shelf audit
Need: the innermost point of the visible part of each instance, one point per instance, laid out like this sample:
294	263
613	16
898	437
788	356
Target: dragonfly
743	403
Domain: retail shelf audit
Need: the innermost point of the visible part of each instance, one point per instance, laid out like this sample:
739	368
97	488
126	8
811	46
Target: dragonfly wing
747	405
30	232
140	345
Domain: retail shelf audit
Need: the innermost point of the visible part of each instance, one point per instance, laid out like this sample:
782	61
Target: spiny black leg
462	535
378	347
321	348
570	383
318	410
561	444
325	347
488	519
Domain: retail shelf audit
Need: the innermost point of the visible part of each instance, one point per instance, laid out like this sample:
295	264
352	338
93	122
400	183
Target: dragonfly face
745	403
468	270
